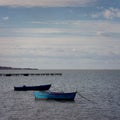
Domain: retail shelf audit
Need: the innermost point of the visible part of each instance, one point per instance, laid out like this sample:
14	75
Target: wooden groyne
30	74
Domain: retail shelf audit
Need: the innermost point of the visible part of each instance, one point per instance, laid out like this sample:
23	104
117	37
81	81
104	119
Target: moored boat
54	95
37	88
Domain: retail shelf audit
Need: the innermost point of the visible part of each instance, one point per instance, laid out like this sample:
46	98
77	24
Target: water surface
98	96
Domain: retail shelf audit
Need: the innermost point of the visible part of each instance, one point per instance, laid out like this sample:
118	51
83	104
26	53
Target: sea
97	98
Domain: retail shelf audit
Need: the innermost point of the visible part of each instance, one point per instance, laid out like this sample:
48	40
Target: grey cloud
110	34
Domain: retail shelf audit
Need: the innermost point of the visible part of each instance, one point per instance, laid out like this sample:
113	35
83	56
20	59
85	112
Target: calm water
98	96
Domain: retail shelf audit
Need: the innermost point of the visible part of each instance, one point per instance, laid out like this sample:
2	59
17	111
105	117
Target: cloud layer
45	3
76	28
60	52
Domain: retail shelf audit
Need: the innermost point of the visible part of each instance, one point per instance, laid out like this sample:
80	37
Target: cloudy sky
60	34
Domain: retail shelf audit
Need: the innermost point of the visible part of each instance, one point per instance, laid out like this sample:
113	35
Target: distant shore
12	68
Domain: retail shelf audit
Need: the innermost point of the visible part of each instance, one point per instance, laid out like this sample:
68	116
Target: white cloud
45	3
111	13
5	18
108	13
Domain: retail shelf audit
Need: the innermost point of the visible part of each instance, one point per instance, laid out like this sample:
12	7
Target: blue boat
54	95
39	88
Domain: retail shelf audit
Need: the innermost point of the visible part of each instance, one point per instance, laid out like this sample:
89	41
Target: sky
60	34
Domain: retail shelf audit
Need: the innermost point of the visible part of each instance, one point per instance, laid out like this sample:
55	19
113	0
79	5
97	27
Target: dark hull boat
55	95
39	88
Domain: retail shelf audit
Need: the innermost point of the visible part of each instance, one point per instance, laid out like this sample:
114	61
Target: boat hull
36	88
55	95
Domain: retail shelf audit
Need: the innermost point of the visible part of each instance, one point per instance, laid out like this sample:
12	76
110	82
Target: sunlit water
98	96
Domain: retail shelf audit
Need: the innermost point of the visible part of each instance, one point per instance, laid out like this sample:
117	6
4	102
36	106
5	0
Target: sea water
98	96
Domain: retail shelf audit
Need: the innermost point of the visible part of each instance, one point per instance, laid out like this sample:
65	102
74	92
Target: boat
37	88
54	95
